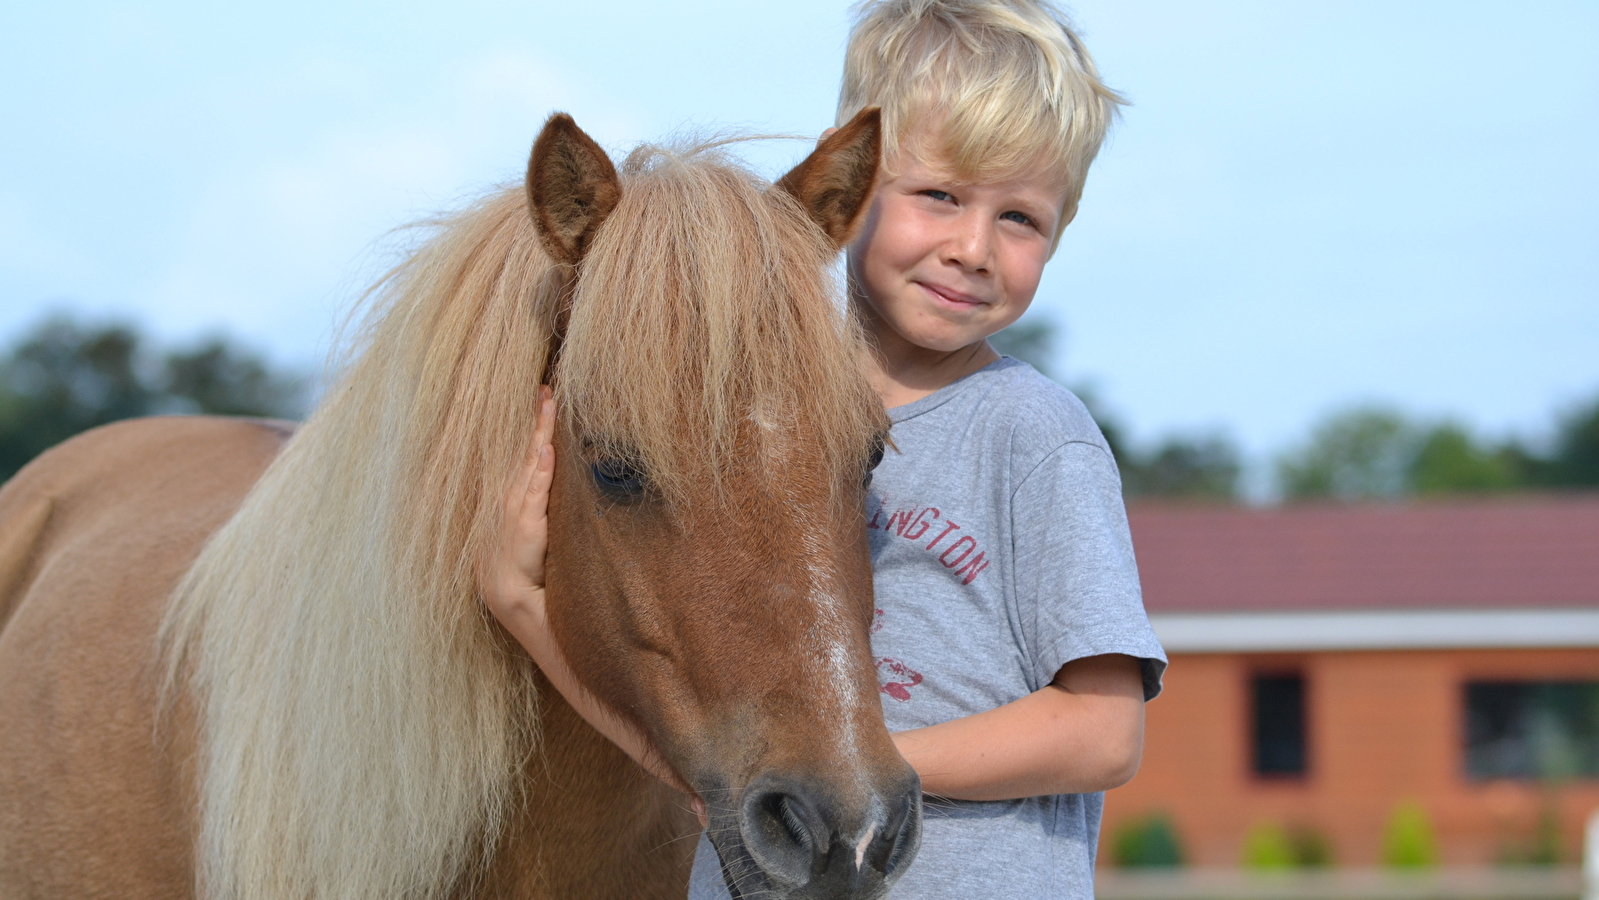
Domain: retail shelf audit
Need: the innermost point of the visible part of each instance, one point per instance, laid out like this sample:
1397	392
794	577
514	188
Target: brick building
1331	662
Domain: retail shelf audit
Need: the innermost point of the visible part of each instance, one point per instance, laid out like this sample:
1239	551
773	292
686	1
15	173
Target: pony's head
708	571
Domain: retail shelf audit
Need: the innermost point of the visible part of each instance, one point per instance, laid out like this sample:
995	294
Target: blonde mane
364	724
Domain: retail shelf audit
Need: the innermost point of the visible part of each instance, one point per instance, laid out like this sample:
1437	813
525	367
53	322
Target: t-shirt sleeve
1076	579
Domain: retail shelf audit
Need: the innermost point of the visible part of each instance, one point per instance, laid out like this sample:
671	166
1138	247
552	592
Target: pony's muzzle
807	844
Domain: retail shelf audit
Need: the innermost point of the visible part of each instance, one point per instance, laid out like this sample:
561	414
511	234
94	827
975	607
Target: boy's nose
970	247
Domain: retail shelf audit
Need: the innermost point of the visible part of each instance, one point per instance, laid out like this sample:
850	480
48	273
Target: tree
1575	462
217	378
1194	468
64	377
61	380
1374	452
1354	454
1448	460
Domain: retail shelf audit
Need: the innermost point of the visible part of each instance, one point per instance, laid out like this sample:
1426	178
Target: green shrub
1407	842
1267	847
1149	842
1311	848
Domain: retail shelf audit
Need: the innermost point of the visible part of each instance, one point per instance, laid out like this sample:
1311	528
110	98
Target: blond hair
364	724
993	89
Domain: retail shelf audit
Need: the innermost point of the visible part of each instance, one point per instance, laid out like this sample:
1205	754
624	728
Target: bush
1407	842
1311	848
1268	847
1150	842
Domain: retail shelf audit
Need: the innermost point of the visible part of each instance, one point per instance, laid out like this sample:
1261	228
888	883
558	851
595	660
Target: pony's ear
835	181
571	188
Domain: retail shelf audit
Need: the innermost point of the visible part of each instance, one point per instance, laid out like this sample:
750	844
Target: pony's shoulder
137	483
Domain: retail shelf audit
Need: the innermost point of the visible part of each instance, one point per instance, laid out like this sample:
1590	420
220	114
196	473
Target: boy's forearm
1079	734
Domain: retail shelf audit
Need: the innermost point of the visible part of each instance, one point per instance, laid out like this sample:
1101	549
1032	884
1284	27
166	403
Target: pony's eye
619	478
872	461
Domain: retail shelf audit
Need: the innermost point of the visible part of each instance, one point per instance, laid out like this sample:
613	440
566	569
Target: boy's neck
903	373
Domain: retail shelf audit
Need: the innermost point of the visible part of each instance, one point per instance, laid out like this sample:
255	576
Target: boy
1013	650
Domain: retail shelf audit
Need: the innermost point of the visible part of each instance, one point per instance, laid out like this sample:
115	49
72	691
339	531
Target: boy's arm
1082	732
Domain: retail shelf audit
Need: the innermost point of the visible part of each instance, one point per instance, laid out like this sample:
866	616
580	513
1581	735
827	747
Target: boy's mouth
949	296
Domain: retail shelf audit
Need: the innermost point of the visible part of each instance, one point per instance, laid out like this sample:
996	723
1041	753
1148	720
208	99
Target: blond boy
1013	651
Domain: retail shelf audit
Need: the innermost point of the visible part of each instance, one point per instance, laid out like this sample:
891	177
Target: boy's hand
513	591
516	570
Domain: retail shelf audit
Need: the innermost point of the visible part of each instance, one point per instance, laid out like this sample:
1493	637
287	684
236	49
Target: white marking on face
838	671
860	849
829	637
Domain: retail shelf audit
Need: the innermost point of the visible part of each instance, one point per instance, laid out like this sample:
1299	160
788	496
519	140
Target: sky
1305	206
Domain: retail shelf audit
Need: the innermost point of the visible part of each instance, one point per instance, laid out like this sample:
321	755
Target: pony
242	659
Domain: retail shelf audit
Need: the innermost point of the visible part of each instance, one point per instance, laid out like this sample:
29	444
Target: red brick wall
1382	728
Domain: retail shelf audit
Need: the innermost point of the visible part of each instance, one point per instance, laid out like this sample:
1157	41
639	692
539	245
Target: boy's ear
571	188
835	182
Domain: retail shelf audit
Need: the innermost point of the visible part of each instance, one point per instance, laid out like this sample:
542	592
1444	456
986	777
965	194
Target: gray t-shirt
1000	552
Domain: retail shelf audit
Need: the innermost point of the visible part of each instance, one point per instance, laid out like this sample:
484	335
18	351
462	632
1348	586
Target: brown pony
240	660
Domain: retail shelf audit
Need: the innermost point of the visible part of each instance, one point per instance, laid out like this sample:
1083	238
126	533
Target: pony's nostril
795	825
907	837
787	838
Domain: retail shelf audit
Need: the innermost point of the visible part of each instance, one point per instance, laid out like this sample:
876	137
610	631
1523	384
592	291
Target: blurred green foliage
1195	468
1312	848
1356	454
65	376
1407	840
1366	453
1148	842
1269	846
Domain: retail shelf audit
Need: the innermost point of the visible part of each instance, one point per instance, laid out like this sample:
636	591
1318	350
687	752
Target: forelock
706	304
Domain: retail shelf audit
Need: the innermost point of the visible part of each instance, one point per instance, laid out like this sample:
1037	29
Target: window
1532	729
1279	718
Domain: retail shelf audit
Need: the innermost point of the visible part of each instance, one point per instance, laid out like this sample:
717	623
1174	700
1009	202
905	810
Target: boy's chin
954	344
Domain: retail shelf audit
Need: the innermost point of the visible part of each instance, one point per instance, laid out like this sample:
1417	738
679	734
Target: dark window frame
1279	728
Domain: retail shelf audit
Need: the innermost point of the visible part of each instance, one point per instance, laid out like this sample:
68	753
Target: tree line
1357	453
65	376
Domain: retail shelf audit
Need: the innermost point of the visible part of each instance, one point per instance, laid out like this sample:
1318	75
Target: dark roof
1530	551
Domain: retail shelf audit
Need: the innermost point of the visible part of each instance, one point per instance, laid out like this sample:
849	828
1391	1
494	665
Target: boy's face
940	265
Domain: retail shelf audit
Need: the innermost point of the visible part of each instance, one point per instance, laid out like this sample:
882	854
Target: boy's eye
935	194
1018	217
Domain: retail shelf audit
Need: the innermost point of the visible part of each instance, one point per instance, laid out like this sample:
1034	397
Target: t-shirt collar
949	391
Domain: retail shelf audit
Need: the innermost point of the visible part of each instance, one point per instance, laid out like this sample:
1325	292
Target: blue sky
1307	205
